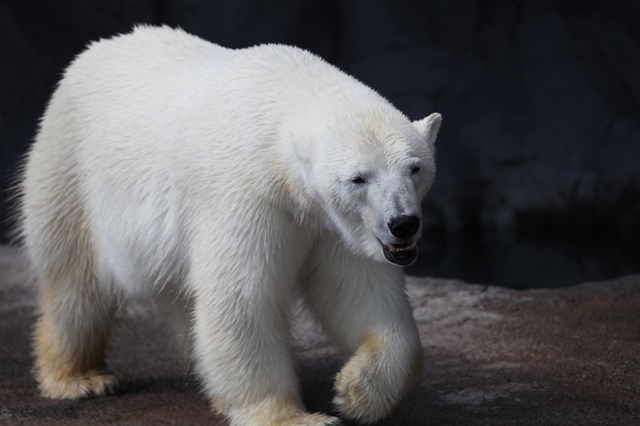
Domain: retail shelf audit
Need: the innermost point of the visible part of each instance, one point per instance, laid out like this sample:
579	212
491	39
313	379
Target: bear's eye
358	180
415	169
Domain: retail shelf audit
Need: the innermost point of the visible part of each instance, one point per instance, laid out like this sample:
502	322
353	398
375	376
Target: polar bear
226	184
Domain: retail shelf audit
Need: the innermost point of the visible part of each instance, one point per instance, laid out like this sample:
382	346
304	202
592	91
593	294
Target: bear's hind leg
70	339
75	312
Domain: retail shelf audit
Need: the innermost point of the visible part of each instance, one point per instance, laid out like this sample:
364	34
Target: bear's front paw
375	380
274	412
315	419
359	397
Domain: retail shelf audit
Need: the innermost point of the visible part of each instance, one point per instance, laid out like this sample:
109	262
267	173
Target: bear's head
368	170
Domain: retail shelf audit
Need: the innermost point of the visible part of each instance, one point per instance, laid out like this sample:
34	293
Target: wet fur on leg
63	374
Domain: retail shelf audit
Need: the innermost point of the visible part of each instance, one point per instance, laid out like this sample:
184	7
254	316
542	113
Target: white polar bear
226	183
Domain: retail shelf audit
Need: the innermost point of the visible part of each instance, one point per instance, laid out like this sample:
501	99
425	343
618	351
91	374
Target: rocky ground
492	357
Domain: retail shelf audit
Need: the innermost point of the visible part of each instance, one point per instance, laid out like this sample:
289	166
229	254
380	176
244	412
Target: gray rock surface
492	357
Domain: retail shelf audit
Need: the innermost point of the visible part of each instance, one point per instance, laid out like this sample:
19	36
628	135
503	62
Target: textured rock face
541	100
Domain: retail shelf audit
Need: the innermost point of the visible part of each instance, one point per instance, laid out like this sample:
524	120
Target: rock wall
541	100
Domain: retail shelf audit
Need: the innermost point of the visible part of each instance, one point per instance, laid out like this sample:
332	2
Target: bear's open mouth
401	254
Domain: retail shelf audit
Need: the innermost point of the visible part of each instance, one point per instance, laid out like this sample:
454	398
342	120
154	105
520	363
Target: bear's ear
429	127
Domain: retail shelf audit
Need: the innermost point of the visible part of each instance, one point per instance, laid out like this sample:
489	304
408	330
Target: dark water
506	259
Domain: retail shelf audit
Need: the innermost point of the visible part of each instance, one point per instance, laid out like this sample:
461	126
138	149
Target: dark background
538	159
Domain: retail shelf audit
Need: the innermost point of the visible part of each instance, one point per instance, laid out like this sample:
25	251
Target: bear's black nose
404	226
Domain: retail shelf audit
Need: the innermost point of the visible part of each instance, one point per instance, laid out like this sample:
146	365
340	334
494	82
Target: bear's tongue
399	248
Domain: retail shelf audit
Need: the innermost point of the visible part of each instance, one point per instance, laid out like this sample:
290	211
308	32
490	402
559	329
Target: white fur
167	165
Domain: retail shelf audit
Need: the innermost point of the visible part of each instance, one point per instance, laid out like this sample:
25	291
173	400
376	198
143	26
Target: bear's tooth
413	244
392	248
